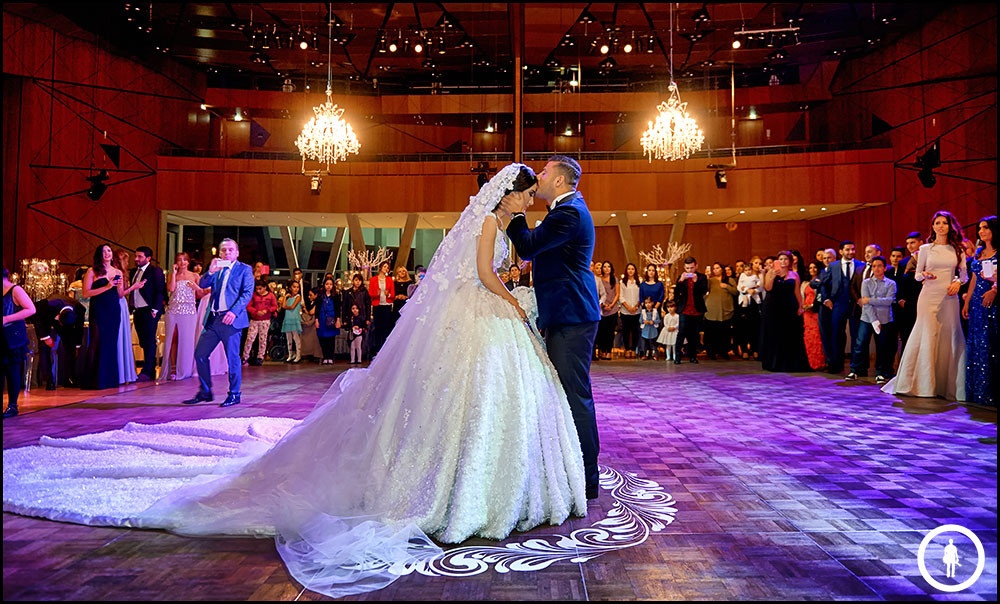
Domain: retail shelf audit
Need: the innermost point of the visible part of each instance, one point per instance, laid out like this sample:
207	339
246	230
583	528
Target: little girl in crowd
649	318
356	333
668	335
291	326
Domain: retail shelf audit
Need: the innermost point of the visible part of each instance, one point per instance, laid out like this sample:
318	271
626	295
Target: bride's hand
520	311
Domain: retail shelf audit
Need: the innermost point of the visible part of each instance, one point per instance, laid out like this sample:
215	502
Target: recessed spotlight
304	45
627	48
774	211
613	214
743	211
604	49
736	44
393	47
802	209
204	106
418	47
644	214
823	209
710	213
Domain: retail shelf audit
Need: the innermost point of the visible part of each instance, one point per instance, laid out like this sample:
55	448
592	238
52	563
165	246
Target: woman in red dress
814	345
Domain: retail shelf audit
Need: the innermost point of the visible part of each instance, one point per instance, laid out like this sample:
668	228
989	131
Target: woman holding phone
104	285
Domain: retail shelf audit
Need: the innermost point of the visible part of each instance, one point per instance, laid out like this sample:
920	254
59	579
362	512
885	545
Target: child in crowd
291	326
649	318
877	296
668	335
262	307
356	334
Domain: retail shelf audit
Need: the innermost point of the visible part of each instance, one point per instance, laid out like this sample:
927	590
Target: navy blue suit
835	286
239	290
560	249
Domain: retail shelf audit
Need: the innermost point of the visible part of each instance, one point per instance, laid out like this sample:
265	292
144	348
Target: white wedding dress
933	362
459	428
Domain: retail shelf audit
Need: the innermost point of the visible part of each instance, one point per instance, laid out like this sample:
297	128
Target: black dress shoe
232	399
677	361
201	397
695	361
592	493
10	412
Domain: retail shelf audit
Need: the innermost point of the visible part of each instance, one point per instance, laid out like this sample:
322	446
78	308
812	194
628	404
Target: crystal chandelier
675	135
327	138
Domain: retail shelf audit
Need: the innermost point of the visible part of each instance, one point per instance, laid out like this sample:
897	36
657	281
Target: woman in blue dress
328	318
103	284
980	310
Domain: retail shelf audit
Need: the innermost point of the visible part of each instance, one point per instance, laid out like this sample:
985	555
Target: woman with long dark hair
609	310
720	303
782	347
933	362
104	285
630	306
328	318
980	308
810	317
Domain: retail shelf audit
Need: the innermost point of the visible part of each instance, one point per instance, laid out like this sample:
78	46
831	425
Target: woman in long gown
473	437
126	352
180	321
933	362
782	344
810	319
981	310
103	285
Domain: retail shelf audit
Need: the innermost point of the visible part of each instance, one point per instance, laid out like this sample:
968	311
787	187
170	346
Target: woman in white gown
474	438
933	362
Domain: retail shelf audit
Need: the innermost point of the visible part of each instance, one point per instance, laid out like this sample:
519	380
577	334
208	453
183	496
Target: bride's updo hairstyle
525	180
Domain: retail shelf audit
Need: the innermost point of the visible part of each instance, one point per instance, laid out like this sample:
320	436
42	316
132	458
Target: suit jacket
155	290
47	326
560	249
700	291
907	286
835	286
239	290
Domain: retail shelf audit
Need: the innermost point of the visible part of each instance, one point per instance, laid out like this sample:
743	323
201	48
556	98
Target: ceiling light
736	44
393	47
418	47
774	211
604	49
627	48
304	45
823	209
802	209
644	214
613	214
574	83
710	212
489	127
743	211
701	15
569	131
239	115
204	106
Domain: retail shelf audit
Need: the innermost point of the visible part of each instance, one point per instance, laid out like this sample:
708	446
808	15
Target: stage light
720	179
393	47
604	49
204	106
304	45
736	44
97	186
418	48
627	48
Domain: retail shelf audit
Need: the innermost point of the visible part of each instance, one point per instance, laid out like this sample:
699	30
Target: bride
459	428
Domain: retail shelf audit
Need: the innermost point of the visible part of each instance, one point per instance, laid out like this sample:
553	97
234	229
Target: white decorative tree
666	261
364	260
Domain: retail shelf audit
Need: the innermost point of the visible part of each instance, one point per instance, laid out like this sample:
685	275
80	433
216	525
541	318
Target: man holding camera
689	295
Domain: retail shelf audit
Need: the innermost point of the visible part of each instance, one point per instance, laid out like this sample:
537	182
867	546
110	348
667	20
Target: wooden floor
787	487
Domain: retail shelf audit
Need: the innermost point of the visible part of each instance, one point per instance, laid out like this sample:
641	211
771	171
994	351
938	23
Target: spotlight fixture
418	48
552	62
440	46
608	64
736	44
720	179
393	47
701	15
927	162
627	48
569	131
604	49
97	186
574	82
651	45
304	45
587	17
489	128
381	46
238	117
204	106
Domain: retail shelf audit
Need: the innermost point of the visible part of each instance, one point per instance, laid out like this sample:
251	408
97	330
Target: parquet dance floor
785	487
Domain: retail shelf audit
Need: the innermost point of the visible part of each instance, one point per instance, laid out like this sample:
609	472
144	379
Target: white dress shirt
137	300
221	304
555	201
847	267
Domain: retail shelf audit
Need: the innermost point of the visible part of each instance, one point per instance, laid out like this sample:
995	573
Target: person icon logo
951	558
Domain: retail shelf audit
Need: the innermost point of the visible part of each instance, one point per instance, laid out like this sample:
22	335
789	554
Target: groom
560	248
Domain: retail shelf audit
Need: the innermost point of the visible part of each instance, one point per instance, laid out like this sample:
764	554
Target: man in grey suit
232	286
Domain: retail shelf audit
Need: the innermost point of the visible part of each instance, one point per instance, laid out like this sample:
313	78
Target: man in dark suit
689	295
872	250
147	307
560	248
894	272
59	333
836	288
232	287
908	288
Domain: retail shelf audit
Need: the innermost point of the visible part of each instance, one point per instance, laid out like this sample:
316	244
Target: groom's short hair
569	167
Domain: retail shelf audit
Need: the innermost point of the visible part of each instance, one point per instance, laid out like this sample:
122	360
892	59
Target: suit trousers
689	330
215	332
145	328
842	316
48	361
569	348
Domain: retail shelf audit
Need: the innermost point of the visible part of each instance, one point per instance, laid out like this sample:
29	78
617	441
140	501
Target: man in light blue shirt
877	296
